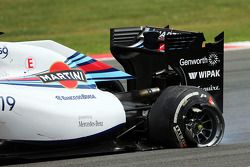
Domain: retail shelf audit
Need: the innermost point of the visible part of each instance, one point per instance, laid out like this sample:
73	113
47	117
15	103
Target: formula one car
58	102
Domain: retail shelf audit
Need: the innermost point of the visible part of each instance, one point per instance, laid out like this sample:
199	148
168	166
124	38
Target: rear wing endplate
144	51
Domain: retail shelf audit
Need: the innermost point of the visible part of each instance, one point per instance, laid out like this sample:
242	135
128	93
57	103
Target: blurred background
84	24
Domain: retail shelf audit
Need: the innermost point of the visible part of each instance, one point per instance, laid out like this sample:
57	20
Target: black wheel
111	86
185	116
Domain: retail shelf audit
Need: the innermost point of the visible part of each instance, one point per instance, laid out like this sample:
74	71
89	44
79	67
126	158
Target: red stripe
101	56
232	47
95	66
25	79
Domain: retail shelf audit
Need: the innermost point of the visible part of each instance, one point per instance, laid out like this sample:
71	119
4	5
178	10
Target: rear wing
152	54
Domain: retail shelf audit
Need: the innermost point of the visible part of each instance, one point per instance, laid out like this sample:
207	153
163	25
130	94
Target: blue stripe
86	63
80	61
79	57
111	78
114	74
74	55
52	86
73	65
87	86
75	60
103	71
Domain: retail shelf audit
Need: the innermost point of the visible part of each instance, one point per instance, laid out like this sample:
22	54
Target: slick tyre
185	116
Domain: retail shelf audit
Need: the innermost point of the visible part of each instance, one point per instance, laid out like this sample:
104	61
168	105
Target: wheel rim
204	126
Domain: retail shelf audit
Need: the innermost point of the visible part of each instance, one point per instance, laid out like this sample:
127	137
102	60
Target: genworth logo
213	59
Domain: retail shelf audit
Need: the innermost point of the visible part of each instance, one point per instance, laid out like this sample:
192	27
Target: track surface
234	149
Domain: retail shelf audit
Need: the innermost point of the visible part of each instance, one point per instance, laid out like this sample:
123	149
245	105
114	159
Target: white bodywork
31	110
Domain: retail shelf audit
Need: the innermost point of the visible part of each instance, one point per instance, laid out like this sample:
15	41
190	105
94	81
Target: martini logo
62	73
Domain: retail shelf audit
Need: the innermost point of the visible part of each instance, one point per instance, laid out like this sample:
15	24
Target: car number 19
7	101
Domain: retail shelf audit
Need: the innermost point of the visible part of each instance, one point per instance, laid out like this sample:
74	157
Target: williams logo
61	72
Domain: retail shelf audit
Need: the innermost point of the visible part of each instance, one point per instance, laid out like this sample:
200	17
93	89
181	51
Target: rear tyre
185	116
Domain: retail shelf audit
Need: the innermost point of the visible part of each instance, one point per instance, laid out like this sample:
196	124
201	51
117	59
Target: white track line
236	46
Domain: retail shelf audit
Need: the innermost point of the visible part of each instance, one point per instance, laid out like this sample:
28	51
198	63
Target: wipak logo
204	74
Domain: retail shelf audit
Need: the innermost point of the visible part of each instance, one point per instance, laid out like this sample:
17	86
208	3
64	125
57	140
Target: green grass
84	24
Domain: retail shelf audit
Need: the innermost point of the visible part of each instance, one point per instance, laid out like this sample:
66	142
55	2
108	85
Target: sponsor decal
4	52
164	33
211	101
210	88
62	73
185	102
8	103
76	97
204	74
90	124
180	136
30	63
182	103
86	121
184	62
85	117
211	60
203	95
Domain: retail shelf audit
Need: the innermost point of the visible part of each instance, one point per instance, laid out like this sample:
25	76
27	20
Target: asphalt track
234	149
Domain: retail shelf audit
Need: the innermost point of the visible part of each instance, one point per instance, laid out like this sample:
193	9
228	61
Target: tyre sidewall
171	108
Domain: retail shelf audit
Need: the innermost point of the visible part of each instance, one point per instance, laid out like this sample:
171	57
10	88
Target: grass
84	24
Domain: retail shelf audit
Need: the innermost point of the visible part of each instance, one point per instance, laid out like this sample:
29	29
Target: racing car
54	99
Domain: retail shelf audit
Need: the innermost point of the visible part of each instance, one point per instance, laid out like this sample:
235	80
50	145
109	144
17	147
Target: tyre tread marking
181	103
